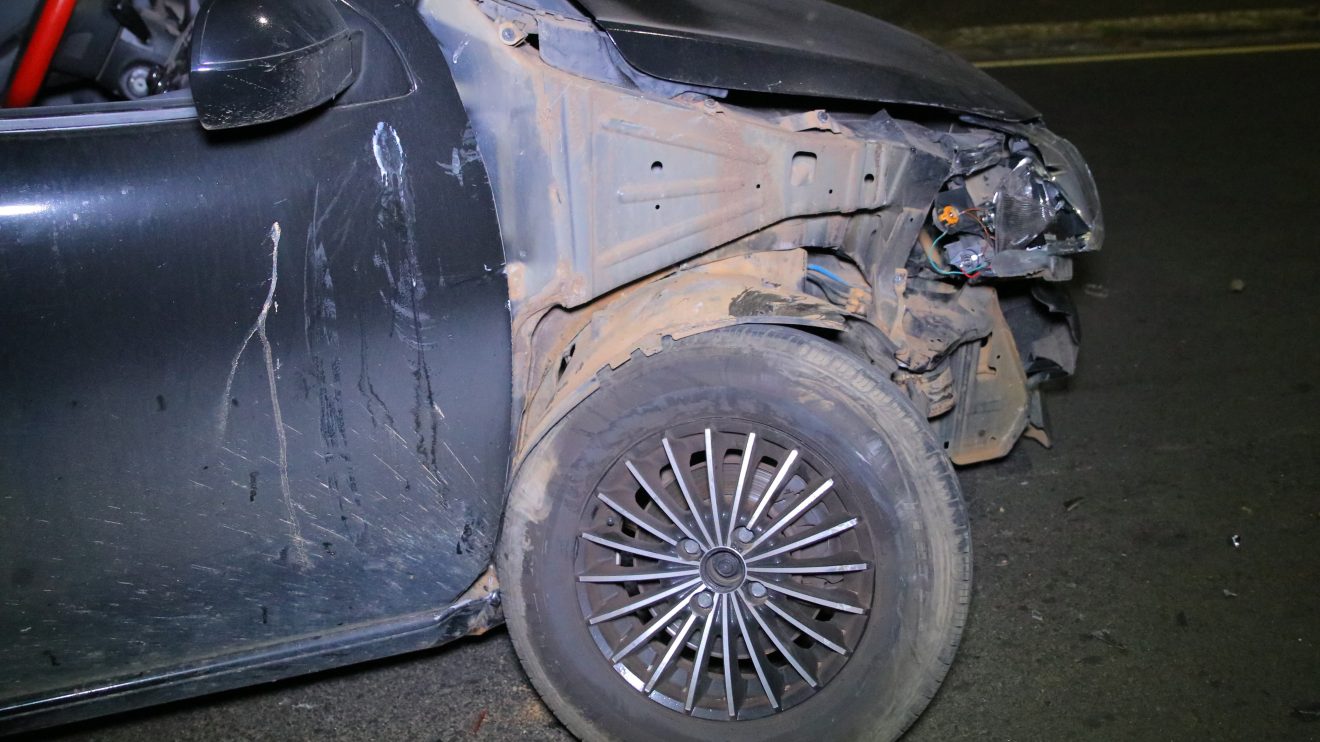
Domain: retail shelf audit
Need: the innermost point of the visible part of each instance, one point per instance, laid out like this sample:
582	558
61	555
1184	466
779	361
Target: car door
254	384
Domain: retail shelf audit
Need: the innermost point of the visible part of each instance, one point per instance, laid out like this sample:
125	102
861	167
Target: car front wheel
748	535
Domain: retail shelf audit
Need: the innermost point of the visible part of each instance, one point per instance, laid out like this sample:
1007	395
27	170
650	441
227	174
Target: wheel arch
572	349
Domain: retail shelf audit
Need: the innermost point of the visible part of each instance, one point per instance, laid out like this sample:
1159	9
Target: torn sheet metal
606	178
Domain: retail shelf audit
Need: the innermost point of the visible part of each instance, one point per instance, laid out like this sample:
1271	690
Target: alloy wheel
732	606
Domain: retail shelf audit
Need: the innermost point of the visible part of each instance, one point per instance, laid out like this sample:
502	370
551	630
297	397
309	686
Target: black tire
887	470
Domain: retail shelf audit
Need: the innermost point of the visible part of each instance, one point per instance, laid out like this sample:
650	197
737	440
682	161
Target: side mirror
255	61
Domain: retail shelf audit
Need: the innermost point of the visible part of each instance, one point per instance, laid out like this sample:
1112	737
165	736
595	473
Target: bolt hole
657	207
657	166
869	178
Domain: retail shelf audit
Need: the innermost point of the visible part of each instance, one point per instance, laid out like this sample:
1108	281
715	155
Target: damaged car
337	329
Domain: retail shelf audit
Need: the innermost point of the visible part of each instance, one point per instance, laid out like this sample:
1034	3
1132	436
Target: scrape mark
407	286
459	51
299	555
460	462
387	148
462	155
321	336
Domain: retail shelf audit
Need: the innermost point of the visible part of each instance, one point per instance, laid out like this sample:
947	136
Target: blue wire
828	274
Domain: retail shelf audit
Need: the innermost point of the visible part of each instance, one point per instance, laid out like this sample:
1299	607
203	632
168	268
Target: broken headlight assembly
1017	215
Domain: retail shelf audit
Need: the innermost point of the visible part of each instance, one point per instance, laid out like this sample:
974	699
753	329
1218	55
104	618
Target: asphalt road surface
1111	601
938	17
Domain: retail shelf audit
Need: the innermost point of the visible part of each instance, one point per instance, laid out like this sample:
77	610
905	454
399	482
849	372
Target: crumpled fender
803	47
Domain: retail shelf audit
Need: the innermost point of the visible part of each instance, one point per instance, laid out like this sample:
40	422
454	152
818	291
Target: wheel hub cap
723	572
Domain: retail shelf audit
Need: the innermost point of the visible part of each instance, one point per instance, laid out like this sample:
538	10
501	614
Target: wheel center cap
723	570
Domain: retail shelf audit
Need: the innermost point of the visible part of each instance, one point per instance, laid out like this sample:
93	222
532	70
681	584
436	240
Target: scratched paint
339	474
140	366
298	554
397	257
462	156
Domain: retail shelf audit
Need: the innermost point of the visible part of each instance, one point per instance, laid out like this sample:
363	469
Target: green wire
930	256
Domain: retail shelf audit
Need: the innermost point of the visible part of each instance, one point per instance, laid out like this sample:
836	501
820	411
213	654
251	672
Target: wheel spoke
622	574
657	623
742	482
639	551
712	489
779	643
792	515
812	595
837	564
703	655
801	625
754	651
828	530
641	519
658	500
729	660
634	605
675	644
687	495
784	470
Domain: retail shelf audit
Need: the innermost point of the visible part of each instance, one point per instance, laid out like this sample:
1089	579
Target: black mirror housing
256	61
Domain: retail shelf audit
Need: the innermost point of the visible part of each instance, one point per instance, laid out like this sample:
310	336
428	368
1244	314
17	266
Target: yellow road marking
1167	54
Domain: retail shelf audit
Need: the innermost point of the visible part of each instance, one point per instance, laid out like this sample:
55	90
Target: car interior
92	54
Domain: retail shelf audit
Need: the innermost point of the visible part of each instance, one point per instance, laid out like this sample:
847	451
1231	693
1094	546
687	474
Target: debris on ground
1237	285
1071	505
481	719
1229	593
1309	712
1107	637
1236	541
1096	290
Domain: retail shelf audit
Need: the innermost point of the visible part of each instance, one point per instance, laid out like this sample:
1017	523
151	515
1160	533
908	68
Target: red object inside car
36	57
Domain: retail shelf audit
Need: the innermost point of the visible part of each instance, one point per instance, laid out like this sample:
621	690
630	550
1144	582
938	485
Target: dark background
936	17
